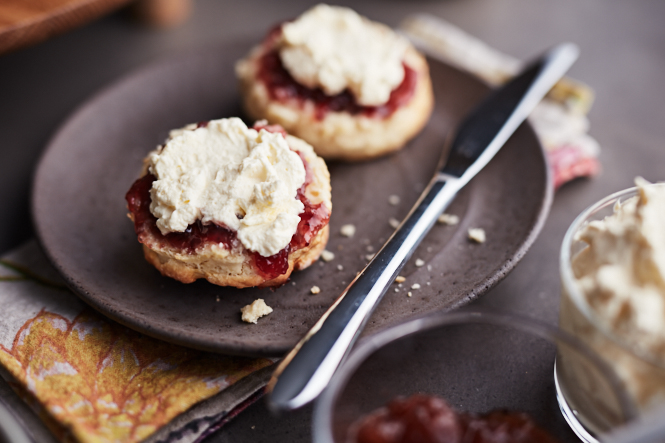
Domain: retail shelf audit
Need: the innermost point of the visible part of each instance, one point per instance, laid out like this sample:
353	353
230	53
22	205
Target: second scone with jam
351	87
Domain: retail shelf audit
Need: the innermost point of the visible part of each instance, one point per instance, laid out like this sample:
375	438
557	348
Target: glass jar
586	404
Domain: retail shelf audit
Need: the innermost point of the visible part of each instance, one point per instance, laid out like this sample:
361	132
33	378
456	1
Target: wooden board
24	23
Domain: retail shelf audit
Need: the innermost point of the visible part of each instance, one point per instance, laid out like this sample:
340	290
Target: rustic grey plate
80	216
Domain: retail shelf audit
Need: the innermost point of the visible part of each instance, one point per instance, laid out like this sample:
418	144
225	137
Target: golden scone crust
340	135
234	267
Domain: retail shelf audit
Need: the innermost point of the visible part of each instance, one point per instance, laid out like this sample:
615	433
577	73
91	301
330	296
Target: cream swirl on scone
238	206
231	175
334	48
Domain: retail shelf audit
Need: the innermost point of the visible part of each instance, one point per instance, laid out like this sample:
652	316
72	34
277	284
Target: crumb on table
315	290
400	279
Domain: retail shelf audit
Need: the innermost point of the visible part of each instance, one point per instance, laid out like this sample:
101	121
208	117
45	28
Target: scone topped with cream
237	206
351	87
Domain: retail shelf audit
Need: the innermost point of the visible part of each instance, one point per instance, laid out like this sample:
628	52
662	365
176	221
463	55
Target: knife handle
306	370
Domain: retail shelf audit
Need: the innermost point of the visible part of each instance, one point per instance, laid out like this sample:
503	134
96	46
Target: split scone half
352	88
237	206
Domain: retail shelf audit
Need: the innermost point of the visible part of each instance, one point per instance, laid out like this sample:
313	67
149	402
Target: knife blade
306	370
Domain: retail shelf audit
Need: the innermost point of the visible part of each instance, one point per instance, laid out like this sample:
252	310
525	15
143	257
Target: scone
237	206
352	88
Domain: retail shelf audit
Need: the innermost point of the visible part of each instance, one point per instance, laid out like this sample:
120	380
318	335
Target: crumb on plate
348	230
448	219
251	313
477	235
326	255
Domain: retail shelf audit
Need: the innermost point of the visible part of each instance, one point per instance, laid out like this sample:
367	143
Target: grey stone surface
623	58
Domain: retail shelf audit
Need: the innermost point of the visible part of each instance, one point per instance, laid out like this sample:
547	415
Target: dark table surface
622	57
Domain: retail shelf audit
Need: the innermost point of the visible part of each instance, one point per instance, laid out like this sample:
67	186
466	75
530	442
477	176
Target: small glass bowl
476	361
586	407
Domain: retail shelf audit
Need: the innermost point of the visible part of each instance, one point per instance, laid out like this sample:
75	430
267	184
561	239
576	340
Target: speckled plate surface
80	216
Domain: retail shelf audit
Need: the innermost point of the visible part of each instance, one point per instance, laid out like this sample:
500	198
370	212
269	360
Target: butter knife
306	370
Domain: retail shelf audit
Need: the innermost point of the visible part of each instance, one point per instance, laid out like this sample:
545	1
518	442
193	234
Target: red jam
312	219
283	87
194	237
428	419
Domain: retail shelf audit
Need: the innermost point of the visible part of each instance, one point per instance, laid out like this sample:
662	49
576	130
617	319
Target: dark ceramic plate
80	215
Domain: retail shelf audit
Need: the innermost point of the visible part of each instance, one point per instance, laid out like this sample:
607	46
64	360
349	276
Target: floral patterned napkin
90	379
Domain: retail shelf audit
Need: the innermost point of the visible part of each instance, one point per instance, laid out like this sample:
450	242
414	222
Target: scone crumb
393	222
370	248
396	289
340	267
394	200
369	257
326	255
251	313
477	235
315	290
409	294
400	279
420	262
217	298
415	286
348	230
448	219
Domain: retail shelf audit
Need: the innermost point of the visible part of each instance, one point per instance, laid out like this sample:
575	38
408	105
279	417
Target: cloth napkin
90	379
560	120
77	376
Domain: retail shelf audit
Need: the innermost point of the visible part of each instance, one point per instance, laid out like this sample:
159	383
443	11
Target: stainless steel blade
307	369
